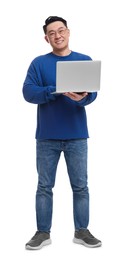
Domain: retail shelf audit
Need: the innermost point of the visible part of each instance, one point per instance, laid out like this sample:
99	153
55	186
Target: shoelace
88	233
36	235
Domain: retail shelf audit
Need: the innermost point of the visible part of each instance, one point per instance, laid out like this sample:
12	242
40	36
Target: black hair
52	19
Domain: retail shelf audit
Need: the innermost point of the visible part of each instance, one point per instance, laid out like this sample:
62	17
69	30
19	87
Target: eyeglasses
61	32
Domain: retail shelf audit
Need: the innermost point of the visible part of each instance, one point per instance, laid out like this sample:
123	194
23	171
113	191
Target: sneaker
84	237
39	240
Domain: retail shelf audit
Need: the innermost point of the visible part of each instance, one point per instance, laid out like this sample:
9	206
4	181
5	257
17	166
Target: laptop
78	76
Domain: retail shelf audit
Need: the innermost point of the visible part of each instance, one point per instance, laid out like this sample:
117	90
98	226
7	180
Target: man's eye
52	34
61	31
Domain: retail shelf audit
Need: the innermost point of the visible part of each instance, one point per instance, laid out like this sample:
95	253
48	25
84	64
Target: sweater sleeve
34	91
88	99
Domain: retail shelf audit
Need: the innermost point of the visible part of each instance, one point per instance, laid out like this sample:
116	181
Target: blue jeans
48	155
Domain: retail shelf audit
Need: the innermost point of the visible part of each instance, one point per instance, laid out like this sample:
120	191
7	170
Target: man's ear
68	32
46	38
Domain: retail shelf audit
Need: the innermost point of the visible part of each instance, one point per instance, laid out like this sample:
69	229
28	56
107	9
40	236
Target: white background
97	29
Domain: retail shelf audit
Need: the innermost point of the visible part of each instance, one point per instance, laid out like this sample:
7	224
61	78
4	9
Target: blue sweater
58	117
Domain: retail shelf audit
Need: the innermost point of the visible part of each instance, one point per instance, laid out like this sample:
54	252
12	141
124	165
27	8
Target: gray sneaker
84	237
39	240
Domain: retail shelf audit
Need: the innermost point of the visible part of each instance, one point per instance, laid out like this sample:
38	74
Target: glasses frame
61	31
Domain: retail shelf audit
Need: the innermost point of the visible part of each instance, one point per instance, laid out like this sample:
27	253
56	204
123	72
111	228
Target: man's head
52	19
57	34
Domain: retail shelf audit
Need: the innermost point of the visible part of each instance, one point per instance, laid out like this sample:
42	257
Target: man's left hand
74	96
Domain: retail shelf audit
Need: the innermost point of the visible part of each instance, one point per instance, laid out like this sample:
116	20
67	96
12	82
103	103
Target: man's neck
65	52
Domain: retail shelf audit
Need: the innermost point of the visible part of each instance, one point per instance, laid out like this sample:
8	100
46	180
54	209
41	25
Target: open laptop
78	76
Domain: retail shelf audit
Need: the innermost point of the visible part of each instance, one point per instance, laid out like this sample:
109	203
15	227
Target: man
61	127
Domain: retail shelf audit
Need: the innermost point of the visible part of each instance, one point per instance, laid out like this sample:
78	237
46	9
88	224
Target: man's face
57	35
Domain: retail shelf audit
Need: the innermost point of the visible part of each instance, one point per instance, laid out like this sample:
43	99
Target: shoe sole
44	243
81	242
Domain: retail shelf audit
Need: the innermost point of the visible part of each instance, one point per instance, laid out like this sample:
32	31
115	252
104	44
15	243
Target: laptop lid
78	76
